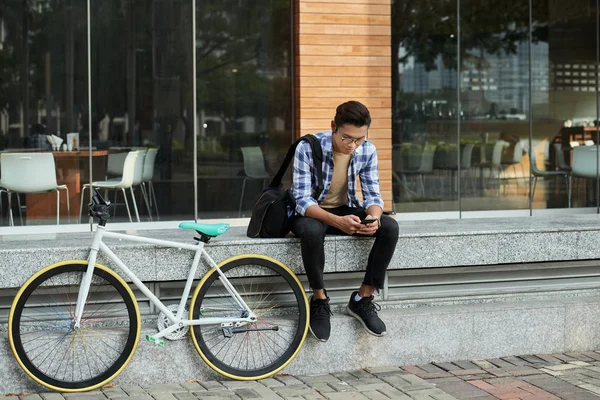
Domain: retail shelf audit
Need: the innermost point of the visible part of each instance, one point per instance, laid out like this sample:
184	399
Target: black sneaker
365	311
320	314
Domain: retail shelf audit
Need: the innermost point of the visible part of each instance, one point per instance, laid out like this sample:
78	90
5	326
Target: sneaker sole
363	323
315	336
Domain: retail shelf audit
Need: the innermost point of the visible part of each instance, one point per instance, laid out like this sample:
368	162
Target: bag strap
317	162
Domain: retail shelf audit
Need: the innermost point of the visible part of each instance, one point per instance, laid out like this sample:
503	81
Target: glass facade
497	99
494	106
142	100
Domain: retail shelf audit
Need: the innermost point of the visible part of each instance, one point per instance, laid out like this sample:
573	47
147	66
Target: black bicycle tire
299	336
15	320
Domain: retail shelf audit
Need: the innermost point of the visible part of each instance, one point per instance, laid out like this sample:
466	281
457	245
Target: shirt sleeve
369	182
302	178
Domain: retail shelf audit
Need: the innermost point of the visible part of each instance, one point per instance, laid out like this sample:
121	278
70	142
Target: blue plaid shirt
363	163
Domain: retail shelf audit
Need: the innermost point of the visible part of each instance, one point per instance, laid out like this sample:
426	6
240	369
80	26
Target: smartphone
368	220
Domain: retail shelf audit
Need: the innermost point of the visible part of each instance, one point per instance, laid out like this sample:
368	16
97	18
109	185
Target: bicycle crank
164	322
229	332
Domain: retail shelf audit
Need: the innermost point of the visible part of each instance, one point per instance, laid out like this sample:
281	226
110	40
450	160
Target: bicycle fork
84	288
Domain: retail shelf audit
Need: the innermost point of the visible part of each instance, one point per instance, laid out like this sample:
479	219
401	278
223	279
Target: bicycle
75	325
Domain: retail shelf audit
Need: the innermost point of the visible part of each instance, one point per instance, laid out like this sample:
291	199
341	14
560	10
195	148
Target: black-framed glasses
349	140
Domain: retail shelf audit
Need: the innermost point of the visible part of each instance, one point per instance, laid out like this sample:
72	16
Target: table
70	167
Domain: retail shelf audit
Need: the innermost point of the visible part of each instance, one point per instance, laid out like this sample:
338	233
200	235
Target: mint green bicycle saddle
206	229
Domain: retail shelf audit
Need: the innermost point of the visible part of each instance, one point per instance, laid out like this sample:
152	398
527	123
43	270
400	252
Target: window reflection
566	110
425	149
142	100
244	100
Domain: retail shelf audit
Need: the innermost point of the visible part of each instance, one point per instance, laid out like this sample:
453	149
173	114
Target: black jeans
312	238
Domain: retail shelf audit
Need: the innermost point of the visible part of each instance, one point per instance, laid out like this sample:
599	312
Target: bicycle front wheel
42	333
260	349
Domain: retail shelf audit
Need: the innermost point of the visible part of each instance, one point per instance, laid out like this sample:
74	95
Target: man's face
347	138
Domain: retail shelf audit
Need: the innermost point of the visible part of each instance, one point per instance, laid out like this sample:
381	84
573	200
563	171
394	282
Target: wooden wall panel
343	52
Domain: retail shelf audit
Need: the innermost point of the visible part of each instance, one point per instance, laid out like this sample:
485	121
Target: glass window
244	60
564	117
494	121
142	90
43	97
425	150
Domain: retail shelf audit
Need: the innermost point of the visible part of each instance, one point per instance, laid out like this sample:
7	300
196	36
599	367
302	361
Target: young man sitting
347	154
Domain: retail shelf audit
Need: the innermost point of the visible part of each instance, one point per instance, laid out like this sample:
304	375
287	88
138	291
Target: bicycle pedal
158	342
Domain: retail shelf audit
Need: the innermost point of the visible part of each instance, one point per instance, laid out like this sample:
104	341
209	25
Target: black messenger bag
270	211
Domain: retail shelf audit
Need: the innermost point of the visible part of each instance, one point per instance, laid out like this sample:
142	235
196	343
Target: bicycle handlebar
99	208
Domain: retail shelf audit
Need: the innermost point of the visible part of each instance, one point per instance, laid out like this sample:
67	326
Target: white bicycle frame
177	320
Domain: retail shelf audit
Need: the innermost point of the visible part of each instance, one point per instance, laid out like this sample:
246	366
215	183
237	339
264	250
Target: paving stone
345	376
294	390
340	386
362	387
550	359
428	394
407	383
592	354
484	364
185	396
500	363
464	364
580	357
374	395
211	385
271	382
164	396
168	388
525	360
288	380
346	396
563	357
559	387
31	397
133	390
433	368
322	387
135	397
461	390
394	393
84	396
247	393
52	396
113	392
313	397
385	370
448	366
308	379
192	387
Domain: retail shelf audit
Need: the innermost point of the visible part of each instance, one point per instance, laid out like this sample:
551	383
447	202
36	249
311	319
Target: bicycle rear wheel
43	338
260	349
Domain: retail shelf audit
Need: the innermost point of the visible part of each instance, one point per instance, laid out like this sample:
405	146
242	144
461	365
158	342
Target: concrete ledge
421	244
416	336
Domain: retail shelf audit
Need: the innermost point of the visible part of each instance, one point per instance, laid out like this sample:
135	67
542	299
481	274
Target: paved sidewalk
569	376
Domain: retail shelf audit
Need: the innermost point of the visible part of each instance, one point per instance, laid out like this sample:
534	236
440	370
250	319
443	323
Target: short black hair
354	113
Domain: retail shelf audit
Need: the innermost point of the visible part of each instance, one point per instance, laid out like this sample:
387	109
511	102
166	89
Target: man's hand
350	224
368	229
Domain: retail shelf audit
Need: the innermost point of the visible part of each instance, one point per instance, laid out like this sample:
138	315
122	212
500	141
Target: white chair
30	173
425	167
126	181
537	173
147	177
137	179
584	163
114	164
495	164
559	155
254	168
